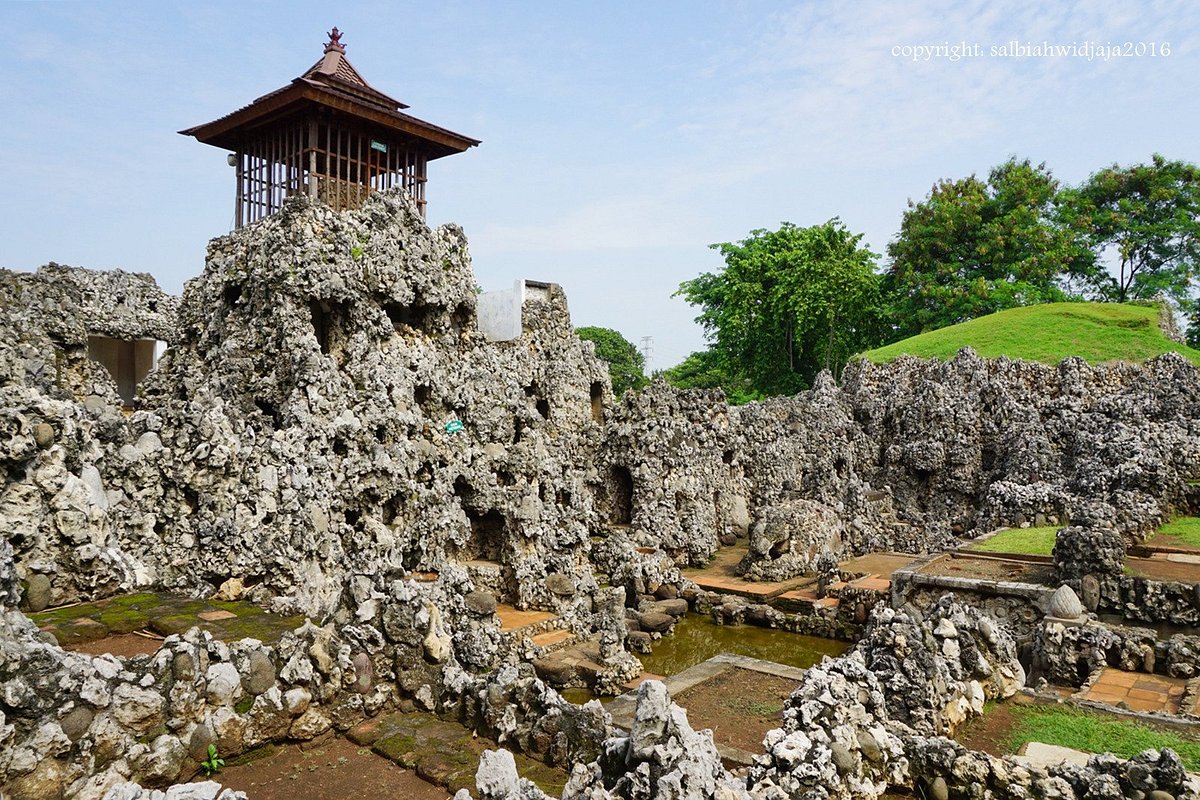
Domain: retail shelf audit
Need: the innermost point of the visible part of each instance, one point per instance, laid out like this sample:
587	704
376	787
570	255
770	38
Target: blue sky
619	138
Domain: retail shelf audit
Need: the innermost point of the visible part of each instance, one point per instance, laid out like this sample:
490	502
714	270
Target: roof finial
335	41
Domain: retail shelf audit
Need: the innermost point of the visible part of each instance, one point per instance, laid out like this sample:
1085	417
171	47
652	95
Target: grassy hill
1097	332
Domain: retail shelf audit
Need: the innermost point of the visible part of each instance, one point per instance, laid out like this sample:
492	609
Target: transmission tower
647	349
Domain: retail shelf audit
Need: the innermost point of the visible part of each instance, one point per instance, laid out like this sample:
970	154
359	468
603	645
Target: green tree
626	364
972	248
788	304
1145	221
705	369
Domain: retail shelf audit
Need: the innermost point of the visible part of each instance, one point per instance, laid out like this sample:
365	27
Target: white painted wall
499	313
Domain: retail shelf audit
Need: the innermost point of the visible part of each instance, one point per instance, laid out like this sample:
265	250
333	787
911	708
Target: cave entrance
128	361
620	495
487	536
483	554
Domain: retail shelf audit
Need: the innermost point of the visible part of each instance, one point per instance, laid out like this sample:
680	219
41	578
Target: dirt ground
1163	570
1168	542
991	732
738	705
122	644
991	569
331	769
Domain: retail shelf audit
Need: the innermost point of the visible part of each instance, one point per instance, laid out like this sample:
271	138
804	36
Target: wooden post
239	172
312	158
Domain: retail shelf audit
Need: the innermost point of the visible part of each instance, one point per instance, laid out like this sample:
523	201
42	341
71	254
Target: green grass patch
1096	332
1028	541
1094	732
1185	529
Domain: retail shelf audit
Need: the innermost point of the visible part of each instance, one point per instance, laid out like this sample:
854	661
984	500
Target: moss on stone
123	620
61	616
267	628
399	747
164	614
550	780
168	626
78	632
138	601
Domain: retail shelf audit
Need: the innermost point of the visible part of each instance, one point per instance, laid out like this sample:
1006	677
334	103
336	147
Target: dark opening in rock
463	489
597	393
620	495
268	410
320	321
487	535
415	315
422	394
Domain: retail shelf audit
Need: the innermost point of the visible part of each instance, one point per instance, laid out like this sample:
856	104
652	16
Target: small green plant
213	763
356	252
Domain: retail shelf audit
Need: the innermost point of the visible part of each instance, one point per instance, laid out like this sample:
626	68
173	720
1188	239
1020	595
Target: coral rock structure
330	433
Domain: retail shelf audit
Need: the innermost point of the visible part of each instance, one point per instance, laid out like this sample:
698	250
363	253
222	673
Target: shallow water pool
697	638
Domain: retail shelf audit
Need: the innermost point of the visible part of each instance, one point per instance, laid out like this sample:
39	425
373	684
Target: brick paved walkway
1138	691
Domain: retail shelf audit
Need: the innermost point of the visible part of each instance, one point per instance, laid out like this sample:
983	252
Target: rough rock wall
688	473
843	726
1002	437
841	737
903	456
304	429
332	411
1068	655
327	410
73	725
61	424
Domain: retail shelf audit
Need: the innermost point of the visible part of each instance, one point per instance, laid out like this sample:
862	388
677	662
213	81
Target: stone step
874	582
577	665
513	619
553	639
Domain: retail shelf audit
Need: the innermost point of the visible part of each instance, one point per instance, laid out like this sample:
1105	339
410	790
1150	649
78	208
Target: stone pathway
799	593
329	768
443	752
720	576
1138	691
1040	754
577	665
878	564
1166	543
1166	567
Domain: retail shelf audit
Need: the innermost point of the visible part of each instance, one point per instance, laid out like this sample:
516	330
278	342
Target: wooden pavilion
329	134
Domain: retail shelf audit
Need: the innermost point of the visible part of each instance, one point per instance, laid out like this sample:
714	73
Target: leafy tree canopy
706	370
1146	220
626	364
972	248
788	304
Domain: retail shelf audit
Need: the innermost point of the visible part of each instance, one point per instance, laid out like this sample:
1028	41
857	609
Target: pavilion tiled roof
332	81
334	69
